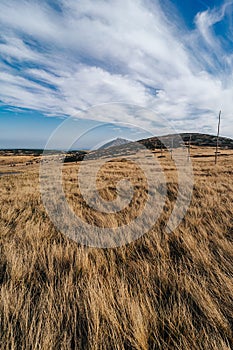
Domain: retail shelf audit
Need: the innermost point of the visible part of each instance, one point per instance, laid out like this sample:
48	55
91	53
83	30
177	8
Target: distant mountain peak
115	143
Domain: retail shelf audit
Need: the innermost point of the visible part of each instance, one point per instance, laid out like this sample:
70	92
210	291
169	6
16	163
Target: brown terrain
163	291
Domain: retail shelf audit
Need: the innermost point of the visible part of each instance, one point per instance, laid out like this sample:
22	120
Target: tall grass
164	291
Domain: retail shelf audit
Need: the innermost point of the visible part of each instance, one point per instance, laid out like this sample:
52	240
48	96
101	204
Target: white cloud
93	52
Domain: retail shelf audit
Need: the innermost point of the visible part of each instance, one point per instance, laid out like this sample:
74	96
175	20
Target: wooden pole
161	148
171	150
189	146
217	142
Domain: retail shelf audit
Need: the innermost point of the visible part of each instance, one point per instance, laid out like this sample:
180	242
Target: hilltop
196	139
115	143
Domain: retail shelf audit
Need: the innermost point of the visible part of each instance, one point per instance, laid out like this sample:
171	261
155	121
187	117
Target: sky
67	58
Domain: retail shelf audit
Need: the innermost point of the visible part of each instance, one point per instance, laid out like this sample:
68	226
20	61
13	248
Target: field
162	291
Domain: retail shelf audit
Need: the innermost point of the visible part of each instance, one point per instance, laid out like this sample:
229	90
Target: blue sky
60	58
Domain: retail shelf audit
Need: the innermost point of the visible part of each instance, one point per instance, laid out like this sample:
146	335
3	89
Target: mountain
115	143
196	139
175	140
119	146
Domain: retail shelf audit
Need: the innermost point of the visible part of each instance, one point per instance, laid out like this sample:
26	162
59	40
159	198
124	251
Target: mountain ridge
195	139
115	143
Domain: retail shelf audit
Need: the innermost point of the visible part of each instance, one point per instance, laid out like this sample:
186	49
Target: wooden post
161	149
217	142
171	150
189	146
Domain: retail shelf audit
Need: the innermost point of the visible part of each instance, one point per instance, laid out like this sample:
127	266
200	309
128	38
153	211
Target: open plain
163	291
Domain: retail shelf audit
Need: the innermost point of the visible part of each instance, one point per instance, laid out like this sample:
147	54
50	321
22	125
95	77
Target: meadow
166	290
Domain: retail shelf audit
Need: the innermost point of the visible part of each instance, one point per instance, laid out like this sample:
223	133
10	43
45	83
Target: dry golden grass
16	160
164	291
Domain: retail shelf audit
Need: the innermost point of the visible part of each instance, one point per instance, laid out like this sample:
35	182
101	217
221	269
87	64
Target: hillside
196	139
115	143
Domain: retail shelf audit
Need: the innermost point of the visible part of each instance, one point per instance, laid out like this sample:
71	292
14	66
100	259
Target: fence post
189	146
217	142
171	147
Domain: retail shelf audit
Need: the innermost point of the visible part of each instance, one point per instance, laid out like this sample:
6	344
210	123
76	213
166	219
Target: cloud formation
64	58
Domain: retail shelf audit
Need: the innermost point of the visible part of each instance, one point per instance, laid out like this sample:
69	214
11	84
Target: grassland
163	291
